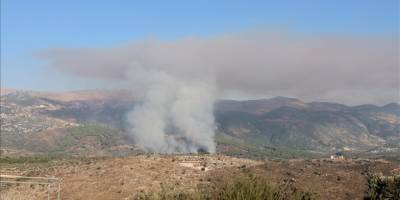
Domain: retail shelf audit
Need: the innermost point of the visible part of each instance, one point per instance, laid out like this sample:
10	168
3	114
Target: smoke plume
176	114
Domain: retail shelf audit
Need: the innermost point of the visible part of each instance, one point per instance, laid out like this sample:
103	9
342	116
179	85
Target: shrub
249	187
383	187
241	187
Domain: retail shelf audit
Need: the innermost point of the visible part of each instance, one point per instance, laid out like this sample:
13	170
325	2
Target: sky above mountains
344	51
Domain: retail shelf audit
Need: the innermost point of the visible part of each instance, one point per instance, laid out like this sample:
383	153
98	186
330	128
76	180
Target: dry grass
241	187
200	177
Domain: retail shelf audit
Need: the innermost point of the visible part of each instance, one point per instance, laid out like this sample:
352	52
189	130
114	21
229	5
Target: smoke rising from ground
179	80
176	114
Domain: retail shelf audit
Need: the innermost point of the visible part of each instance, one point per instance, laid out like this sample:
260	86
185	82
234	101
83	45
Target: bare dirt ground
123	178
126	177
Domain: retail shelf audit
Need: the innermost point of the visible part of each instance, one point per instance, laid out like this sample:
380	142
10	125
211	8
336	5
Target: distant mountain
259	106
71	96
264	125
326	106
299	129
24	98
4	91
315	126
35	123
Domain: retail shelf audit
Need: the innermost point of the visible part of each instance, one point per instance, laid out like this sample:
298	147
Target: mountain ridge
279	122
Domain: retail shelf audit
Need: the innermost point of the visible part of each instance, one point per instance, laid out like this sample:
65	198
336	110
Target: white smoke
176	114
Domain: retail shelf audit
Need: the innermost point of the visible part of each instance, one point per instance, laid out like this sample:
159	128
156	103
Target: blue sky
28	27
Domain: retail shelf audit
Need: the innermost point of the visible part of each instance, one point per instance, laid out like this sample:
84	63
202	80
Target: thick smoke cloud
179	80
351	70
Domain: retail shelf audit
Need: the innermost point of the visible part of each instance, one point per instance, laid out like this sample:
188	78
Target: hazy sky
347	40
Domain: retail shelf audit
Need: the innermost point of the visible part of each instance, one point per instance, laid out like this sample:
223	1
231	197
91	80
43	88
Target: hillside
95	122
315	126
